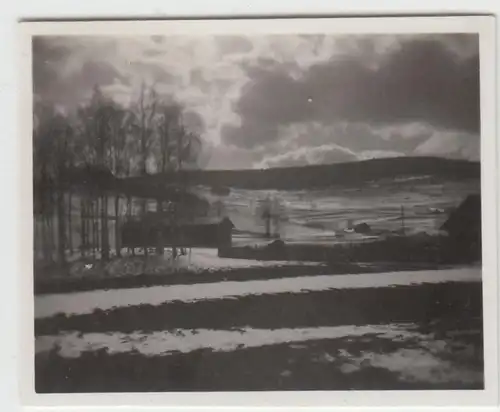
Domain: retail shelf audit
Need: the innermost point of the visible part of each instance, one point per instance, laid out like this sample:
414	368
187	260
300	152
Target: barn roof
155	218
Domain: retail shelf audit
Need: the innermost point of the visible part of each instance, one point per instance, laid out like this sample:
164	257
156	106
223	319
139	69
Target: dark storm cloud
52	84
45	53
422	80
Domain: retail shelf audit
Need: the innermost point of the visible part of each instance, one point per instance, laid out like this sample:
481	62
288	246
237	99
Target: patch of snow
184	340
207	258
421	365
417	364
87	302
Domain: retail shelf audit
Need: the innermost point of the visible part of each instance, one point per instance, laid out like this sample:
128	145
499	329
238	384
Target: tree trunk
160	248
145	237
91	226
48	216
52	243
129	215
95	228
70	227
47	239
98	226
89	230
104	228
117	226
61	232
43	243
83	231
173	227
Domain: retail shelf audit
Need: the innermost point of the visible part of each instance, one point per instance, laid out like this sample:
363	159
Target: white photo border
483	25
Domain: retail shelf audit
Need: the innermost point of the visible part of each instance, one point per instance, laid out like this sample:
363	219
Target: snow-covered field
320	216
403	349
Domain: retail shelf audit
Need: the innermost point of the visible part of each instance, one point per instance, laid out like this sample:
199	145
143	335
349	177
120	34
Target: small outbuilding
464	225
363	228
155	229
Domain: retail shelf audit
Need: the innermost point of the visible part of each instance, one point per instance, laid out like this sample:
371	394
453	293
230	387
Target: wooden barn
156	229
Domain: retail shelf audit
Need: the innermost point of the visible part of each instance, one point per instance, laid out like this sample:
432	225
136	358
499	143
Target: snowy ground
167	338
87	302
422	362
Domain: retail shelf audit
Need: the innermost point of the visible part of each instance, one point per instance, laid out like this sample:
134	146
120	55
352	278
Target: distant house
464	225
155	229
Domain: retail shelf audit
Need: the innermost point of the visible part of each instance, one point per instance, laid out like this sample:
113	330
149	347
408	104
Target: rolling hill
320	176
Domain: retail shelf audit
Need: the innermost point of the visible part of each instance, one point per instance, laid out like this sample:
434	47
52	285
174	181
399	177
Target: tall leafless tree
51	153
145	109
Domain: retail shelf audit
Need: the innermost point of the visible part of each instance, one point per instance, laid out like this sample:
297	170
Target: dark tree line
101	141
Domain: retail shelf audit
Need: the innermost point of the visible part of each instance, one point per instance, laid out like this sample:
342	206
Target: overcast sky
286	100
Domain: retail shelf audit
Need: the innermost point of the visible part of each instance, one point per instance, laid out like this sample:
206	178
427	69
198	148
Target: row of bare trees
100	141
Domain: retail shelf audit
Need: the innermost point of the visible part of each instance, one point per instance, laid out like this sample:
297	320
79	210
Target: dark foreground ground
314	365
440	346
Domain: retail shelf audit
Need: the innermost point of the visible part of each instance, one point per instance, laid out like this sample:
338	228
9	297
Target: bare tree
121	126
167	122
146	109
167	143
44	175
85	160
96	127
271	210
187	151
50	159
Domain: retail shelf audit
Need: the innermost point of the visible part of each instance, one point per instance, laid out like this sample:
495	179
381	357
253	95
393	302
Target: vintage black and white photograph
257	212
